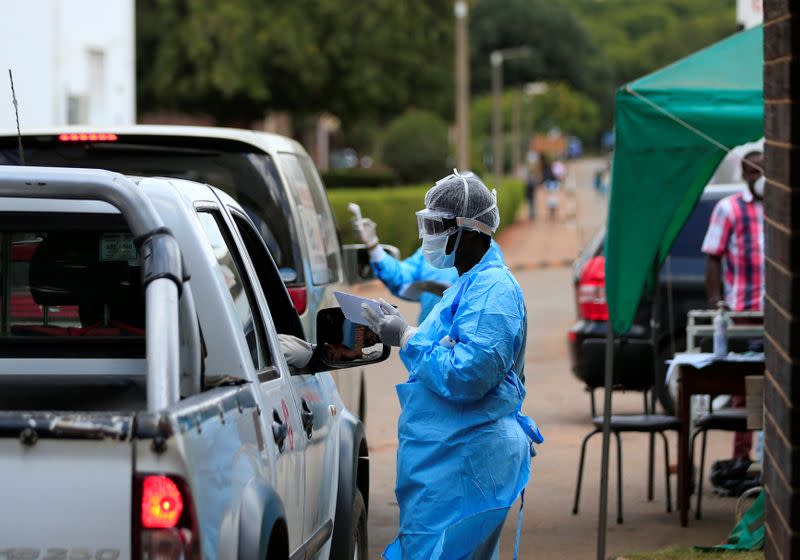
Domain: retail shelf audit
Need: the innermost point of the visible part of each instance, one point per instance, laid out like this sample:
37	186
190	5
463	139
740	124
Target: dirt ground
559	404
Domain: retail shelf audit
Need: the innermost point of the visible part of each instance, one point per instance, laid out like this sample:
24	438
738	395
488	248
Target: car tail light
162	503
165	525
572	337
299	299
88	137
592	291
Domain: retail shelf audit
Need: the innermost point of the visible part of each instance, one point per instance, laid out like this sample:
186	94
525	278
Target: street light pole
497	140
462	85
516	117
496	59
530	90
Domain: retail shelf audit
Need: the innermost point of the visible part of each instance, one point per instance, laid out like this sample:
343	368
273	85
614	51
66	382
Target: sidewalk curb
543	264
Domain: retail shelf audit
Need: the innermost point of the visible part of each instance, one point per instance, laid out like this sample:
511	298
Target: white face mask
758	186
433	249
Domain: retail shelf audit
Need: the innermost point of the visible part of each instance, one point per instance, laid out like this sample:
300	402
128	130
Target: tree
561	48
562	107
415	146
240	58
640	37
230	59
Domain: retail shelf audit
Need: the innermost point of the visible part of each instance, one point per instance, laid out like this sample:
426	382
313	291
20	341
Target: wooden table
719	378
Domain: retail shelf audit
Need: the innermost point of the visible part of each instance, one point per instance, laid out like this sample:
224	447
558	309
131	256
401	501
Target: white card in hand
351	306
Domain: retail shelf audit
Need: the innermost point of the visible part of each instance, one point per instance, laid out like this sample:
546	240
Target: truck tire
359	539
278	543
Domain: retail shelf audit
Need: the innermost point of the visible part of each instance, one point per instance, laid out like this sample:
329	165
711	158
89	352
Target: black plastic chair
651	424
726	420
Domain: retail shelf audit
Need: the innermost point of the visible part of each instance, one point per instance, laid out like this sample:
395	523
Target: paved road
557	401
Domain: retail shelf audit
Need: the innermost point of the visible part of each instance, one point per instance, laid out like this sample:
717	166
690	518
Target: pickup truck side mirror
355	260
342	344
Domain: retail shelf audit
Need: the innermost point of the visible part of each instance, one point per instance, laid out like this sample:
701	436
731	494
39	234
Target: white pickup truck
146	408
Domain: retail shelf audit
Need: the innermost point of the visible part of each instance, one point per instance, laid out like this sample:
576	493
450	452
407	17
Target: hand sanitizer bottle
721	331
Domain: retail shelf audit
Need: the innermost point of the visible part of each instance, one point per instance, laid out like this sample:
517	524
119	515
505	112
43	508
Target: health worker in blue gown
414	278
464	445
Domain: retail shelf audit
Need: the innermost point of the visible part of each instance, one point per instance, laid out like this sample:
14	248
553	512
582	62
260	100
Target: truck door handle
308	418
279	430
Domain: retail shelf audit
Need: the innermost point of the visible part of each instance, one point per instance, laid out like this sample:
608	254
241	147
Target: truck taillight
162	503
88	137
592	291
165	526
299	298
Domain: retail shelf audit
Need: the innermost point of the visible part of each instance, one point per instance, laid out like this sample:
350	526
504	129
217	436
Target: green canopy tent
673	127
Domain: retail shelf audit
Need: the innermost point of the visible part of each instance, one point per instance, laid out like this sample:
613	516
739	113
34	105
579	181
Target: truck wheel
358	539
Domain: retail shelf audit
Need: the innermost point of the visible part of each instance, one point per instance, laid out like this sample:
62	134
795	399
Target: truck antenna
16	113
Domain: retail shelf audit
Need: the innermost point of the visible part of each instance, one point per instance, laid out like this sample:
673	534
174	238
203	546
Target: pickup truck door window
320	232
284	314
242	298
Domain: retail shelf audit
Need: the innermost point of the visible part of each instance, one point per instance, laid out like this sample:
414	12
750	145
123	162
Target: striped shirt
736	234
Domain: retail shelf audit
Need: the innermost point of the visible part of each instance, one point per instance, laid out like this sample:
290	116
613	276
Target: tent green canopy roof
672	128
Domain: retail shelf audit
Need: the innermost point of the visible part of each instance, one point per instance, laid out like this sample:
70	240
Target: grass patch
690	554
393	209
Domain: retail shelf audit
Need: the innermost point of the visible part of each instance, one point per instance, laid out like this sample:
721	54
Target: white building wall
73	63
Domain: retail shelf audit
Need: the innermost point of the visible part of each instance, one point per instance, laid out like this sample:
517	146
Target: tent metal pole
608	386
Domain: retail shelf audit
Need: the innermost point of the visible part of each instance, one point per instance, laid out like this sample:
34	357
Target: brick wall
782	310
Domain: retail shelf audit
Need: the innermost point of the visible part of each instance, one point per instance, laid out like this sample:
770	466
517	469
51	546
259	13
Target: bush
357	177
393	210
415	146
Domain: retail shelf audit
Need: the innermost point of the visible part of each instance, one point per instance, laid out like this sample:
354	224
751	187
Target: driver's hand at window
297	351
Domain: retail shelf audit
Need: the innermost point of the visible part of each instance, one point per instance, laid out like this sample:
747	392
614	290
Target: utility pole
515	130
497	133
462	84
531	90
496	59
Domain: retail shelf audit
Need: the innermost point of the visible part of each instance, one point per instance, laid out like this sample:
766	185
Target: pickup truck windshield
251	178
65	285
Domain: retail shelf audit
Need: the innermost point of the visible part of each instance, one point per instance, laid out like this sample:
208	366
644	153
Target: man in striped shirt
734	245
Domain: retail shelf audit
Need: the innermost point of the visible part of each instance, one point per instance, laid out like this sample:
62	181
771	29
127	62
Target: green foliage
393	209
592	45
561	48
640	37
357	177
561	106
416	147
238	59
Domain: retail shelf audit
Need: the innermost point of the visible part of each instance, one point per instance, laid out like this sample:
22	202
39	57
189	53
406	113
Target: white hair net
449	194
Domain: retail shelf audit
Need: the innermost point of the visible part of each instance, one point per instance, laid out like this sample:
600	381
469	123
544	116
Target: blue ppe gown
464	446
397	275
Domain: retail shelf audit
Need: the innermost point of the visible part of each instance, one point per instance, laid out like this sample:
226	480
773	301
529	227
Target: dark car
639	360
